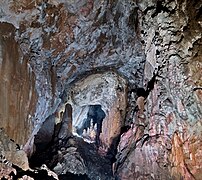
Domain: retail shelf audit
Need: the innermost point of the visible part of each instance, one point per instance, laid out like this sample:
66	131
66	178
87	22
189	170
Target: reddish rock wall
17	88
64	41
171	37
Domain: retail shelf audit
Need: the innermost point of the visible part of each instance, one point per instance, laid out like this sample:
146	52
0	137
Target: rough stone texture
17	88
72	162
66	126
171	33
11	152
81	158
5	171
63	42
141	156
109	91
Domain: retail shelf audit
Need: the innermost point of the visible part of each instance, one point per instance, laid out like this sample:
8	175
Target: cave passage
94	120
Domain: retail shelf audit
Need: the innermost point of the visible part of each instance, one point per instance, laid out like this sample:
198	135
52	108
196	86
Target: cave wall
170	144
17	88
67	40
109	90
173	46
64	41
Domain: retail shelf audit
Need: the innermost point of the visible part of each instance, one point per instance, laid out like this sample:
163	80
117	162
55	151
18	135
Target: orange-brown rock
54	51
109	91
18	95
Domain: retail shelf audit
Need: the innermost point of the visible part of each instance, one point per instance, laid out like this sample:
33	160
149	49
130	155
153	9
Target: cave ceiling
75	66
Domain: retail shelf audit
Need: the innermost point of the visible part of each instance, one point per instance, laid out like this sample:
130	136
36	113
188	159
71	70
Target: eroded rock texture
107	90
17	88
171	34
60	60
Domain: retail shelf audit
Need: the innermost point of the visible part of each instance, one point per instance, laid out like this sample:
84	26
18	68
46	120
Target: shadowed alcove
98	107
91	126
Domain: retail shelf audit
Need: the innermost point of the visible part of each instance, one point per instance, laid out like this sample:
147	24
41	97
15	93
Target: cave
72	74
97	103
92	122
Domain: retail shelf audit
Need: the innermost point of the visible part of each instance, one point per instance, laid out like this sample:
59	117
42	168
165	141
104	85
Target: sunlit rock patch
91	126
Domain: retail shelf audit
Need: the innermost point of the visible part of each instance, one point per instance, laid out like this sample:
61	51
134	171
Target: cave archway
98	107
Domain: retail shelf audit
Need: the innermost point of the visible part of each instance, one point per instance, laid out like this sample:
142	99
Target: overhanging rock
109	90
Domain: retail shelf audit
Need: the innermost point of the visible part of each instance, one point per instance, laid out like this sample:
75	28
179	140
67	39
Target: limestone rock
109	91
5	171
171	33
17	88
73	162
10	151
49	48
78	159
145	155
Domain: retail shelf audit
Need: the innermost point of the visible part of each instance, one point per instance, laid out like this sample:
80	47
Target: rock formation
70	71
171	36
107	90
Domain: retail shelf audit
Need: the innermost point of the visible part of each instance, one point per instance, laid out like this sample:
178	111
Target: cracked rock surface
51	50
171	36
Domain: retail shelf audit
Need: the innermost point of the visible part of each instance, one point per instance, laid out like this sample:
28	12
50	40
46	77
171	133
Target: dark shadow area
49	134
70	176
45	134
141	92
96	114
96	164
145	93
113	148
160	8
150	84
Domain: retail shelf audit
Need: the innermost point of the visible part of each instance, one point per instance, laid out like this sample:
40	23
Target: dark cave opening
112	152
47	152
95	117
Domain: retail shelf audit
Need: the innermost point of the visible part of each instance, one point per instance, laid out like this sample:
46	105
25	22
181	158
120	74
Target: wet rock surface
49	48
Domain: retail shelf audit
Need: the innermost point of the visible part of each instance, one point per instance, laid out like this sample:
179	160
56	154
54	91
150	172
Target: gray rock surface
50	46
